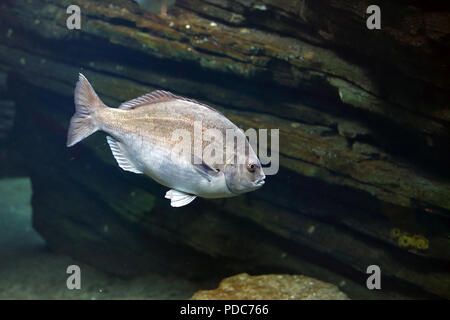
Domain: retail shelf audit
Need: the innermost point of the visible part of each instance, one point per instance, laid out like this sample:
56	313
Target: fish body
141	138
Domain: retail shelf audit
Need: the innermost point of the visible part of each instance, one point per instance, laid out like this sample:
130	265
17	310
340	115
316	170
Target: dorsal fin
149	98
158	96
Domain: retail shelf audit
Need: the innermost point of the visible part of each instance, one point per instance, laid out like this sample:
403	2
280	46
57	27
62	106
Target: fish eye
251	167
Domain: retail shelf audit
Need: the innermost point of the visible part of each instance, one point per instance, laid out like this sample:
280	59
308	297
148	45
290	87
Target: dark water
363	180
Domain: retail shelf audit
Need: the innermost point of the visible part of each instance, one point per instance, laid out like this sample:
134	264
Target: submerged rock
271	287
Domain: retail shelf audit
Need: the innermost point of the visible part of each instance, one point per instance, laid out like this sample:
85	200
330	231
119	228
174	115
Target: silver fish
140	135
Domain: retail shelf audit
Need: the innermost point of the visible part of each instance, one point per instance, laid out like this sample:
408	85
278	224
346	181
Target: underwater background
364	173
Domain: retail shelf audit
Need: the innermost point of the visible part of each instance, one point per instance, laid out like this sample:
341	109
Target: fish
140	134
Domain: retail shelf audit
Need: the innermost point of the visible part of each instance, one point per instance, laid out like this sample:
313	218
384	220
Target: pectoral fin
204	169
179	198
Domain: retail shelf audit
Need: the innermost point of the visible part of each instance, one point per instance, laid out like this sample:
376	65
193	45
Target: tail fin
87	102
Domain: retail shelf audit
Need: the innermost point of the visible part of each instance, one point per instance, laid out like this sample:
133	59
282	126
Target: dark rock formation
364	134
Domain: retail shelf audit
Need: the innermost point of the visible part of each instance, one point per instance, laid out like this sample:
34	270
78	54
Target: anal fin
120	156
179	198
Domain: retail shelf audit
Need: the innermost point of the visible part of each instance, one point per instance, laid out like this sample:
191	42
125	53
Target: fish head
246	176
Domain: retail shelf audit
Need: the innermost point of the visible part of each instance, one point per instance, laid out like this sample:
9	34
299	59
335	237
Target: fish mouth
260	182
